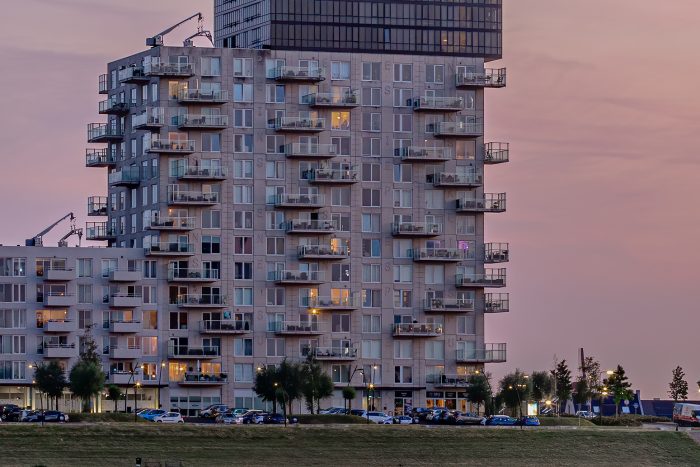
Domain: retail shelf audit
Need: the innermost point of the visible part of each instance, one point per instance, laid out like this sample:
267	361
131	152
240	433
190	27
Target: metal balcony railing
491	202
438	103
348	302
310	150
199	96
322	251
496	153
192	274
416	229
297	73
174	146
202	121
496	253
442	254
443	305
465	129
496	303
417	329
490	78
309	225
490	353
299	200
173	223
424	154
349	99
491	278
327	175
300	124
294	276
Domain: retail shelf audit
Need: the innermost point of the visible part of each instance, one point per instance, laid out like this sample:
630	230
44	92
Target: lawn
120	443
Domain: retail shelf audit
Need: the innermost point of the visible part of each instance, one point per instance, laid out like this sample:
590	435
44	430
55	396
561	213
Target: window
211	244
403	298
340	322
274	220
371	172
211	219
243	118
243	219
275	245
211	142
403	273
372	323
243	67
243	372
274	170
340	70
243	347
243	194
434	199
371	71
243	296
342	145
403	248
242	92
372	122
371	223
275	144
435	349
403	122
150	319
108	266
243	143
275	347
371	147
340	272
403	374
85	293
149	345
434	274
403	72
84	267
340	373
403	349
178	320
243	169
340	196
403	97
243	245
403	173
274	93
372	97
211	66
371	298
372	348
341	221
275	296
371	198
466	225
371	248
466	324
13	319
340	120
371	273
243	270
403	198
435	74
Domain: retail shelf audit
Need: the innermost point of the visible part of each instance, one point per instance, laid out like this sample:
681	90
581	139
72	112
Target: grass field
119	444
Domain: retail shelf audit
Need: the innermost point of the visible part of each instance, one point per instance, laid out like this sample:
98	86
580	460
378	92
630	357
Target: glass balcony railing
346	302
192	274
200	96
441	104
311	226
170	248
442	254
496	153
288	276
127	176
300	124
330	353
192	197
298	200
196	300
491	202
297	73
322	252
490	353
490	78
173	146
225	326
349	99
173	223
100	157
446	305
152	118
424	154
296	327
463	129
448	179
310	150
416	229
491	278
158	68
202	121
417	329
328	175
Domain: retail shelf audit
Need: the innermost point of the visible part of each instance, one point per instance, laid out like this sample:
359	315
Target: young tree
582	393
266	381
678	387
515	389
542	385
88	348
316	384
478	390
51	380
590	370
619	387
114	393
349	394
562	381
290	380
86	381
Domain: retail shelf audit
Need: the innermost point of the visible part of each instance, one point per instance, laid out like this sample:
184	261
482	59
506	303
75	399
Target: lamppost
518	388
136	401
35	366
160	375
488	383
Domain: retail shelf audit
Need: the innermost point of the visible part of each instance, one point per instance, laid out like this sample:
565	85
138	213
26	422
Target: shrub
329	419
103	417
629	420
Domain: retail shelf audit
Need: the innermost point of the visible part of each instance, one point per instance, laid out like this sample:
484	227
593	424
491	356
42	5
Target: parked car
380	418
466	418
529	420
6	409
153	413
140	412
169	417
55	416
405	420
331	410
14	416
31	416
585	414
435	415
358	412
251	417
273	419
213	410
237	412
501	420
225	418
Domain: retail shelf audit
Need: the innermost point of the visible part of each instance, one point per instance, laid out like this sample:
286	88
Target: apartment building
295	200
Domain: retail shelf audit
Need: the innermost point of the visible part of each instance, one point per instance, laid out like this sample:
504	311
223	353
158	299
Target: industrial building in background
315	185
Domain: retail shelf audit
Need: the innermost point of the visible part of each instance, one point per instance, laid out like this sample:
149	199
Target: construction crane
157	40
200	32
73	231
38	239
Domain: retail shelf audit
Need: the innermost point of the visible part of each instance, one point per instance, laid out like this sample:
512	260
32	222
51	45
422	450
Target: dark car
6	409
252	417
273	419
31	416
529	420
13	416
55	416
501	420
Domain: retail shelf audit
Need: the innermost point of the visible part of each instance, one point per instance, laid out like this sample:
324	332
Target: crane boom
38	239
157	40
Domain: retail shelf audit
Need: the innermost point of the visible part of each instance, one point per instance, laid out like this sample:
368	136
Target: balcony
125	352
197	173
291	277
125	300
60	325
132	74
491	278
438	104
455	180
104	133
193	275
299	201
125	378
308	226
175	224
192	352
97	206
225	326
201	301
496	153
310	151
192	198
451	381
496	253
60	299
171	146
202	122
203	379
331	353
199	97
490	78
99	231
491	202
125	275
448	305
326	176
490	353
425	154
300	124
347	303
415	229
100	158
297	328
496	303
469	130
322	252
174	70
60	274
170	249
125	326
300	74
333	101
127	176
441	255
417	330
152	119
103	84
60	350
113	107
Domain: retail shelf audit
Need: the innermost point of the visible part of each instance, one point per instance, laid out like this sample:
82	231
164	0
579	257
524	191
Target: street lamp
136	401
160	375
488	383
35	366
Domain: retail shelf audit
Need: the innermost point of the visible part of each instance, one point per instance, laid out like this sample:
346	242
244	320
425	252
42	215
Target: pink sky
602	114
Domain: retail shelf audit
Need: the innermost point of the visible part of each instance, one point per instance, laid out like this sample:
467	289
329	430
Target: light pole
35	366
488	383
136	401
160	374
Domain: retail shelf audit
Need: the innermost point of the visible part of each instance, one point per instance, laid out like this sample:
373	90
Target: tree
541	386
515	389
86	381
478	390
290	379
582	392
349	394
88	350
591	372
50	379
265	385
678	387
618	387
114	393
562	381
316	384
